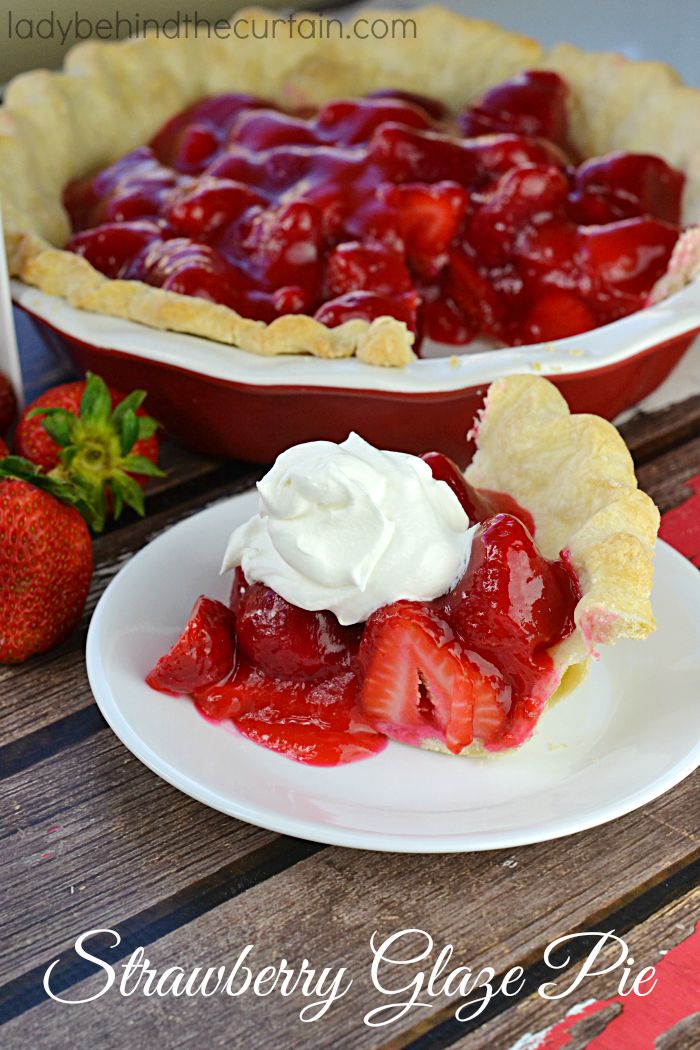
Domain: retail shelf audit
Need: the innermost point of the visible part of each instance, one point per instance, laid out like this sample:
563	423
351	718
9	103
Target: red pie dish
290	233
552	543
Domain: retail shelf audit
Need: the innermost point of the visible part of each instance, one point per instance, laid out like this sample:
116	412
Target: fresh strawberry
8	404
417	682
285	641
203	655
45	561
4	451
96	437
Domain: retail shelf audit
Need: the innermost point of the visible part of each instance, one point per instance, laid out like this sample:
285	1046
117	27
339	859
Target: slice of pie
385	595
305	195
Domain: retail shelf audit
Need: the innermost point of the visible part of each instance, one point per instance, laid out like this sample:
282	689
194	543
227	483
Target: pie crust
112	97
575	476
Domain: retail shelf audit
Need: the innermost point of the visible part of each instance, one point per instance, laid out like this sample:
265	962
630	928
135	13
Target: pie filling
483	223
469	666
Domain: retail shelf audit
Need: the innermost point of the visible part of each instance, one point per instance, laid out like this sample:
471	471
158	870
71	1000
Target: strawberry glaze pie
378	594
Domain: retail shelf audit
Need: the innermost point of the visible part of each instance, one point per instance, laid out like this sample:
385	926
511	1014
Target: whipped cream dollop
351	528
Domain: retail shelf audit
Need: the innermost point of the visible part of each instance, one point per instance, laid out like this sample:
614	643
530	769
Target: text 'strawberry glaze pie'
482	222
378	594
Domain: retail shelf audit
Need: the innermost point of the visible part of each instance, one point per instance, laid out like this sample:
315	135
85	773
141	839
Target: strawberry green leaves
99	450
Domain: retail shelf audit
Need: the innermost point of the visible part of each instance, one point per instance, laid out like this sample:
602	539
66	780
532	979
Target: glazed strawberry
190	138
407	155
348	122
531	103
511	604
353	267
529	195
556	315
212	203
8	404
262	129
418	682
435	109
133	186
473	293
428	218
624	185
283	245
287	642
626	258
445	469
548	256
368	306
45	562
444	321
111	247
98	438
204	654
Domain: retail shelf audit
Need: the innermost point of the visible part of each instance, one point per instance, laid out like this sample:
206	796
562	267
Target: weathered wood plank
92	836
648	434
648	943
499	909
665	477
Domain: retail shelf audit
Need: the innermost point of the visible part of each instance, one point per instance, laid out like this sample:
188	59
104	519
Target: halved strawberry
416	680
204	654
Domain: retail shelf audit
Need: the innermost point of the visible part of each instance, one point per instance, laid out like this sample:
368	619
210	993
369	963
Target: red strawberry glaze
459	225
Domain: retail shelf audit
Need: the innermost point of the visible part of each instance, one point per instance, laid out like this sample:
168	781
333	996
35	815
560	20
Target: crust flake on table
112	97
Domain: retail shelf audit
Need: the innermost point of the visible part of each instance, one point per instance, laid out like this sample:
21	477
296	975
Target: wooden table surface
93	839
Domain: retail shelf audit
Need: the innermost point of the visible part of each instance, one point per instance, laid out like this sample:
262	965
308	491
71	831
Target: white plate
629	733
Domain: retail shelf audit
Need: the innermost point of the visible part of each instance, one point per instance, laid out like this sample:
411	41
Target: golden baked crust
575	475
112	97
